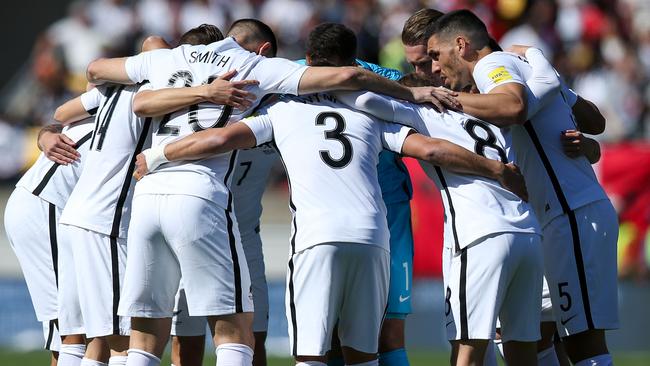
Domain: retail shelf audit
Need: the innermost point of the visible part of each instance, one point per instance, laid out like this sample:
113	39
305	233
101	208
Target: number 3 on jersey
335	134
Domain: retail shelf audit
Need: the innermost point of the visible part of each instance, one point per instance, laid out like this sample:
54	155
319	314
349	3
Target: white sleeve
494	70
544	83
278	75
139	66
393	135
383	107
261	126
91	100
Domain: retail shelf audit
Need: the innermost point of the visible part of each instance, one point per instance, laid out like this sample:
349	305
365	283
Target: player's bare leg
468	352
259	355
586	345
188	350
391	338
97	349
73	347
233	338
353	357
118	345
150	334
520	353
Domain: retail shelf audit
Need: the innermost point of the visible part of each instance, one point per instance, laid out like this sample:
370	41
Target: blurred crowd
601	47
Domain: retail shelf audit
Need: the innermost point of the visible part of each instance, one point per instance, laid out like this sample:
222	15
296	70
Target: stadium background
601	47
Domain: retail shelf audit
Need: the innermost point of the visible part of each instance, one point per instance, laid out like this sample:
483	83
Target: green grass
40	358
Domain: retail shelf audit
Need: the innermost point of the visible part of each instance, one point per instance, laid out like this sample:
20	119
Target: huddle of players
183	226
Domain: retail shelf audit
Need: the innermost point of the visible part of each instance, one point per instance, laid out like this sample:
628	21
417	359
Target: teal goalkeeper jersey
393	176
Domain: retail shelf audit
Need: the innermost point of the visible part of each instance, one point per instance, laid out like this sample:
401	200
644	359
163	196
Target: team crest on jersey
499	74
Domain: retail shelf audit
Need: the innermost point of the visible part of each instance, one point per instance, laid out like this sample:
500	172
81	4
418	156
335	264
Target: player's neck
478	56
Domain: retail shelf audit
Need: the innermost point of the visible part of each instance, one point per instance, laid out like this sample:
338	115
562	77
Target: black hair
332	44
460	22
254	31
203	34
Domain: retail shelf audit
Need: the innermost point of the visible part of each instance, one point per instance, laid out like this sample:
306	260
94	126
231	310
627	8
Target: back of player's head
413	33
252	33
460	23
332	44
413	80
494	45
203	34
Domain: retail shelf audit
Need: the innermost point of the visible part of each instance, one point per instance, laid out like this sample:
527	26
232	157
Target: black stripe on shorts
53	243
573	224
115	274
231	238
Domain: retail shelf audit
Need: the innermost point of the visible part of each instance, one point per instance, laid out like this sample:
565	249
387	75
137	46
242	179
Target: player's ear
461	45
265	50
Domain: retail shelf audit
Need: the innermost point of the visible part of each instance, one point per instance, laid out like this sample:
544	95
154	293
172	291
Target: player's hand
519	49
441	97
222	91
512	180
572	143
141	168
58	147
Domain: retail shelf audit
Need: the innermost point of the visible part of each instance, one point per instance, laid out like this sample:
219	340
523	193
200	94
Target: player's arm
576	144
588	116
198	145
221	91
506	102
318	79
56	146
105	70
455	158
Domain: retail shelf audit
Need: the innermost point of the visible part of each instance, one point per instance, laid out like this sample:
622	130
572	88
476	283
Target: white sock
490	358
117	361
233	354
71	354
89	362
547	357
138	357
311	363
600	360
374	362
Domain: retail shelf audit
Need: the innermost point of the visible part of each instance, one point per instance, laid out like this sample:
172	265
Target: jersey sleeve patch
500	74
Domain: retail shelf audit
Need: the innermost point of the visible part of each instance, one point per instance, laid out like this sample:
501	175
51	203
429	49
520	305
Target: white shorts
252	244
580	267
174	236
547	305
71	320
52	336
184	325
31	226
498	276
332	282
99	262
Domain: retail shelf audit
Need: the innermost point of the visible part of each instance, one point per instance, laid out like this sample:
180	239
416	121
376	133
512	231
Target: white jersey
556	182
195	65
248	183
101	201
475	206
331	154
49	180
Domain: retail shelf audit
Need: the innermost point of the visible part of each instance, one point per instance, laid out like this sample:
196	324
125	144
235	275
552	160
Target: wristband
155	157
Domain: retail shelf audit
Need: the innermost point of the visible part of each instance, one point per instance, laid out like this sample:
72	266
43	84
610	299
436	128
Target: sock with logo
138	357
600	360
394	358
234	354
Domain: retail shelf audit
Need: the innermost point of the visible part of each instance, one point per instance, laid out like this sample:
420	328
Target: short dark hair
413	80
460	22
413	33
494	45
332	44
254	31
203	34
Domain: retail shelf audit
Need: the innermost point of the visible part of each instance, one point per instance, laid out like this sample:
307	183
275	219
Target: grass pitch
417	358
